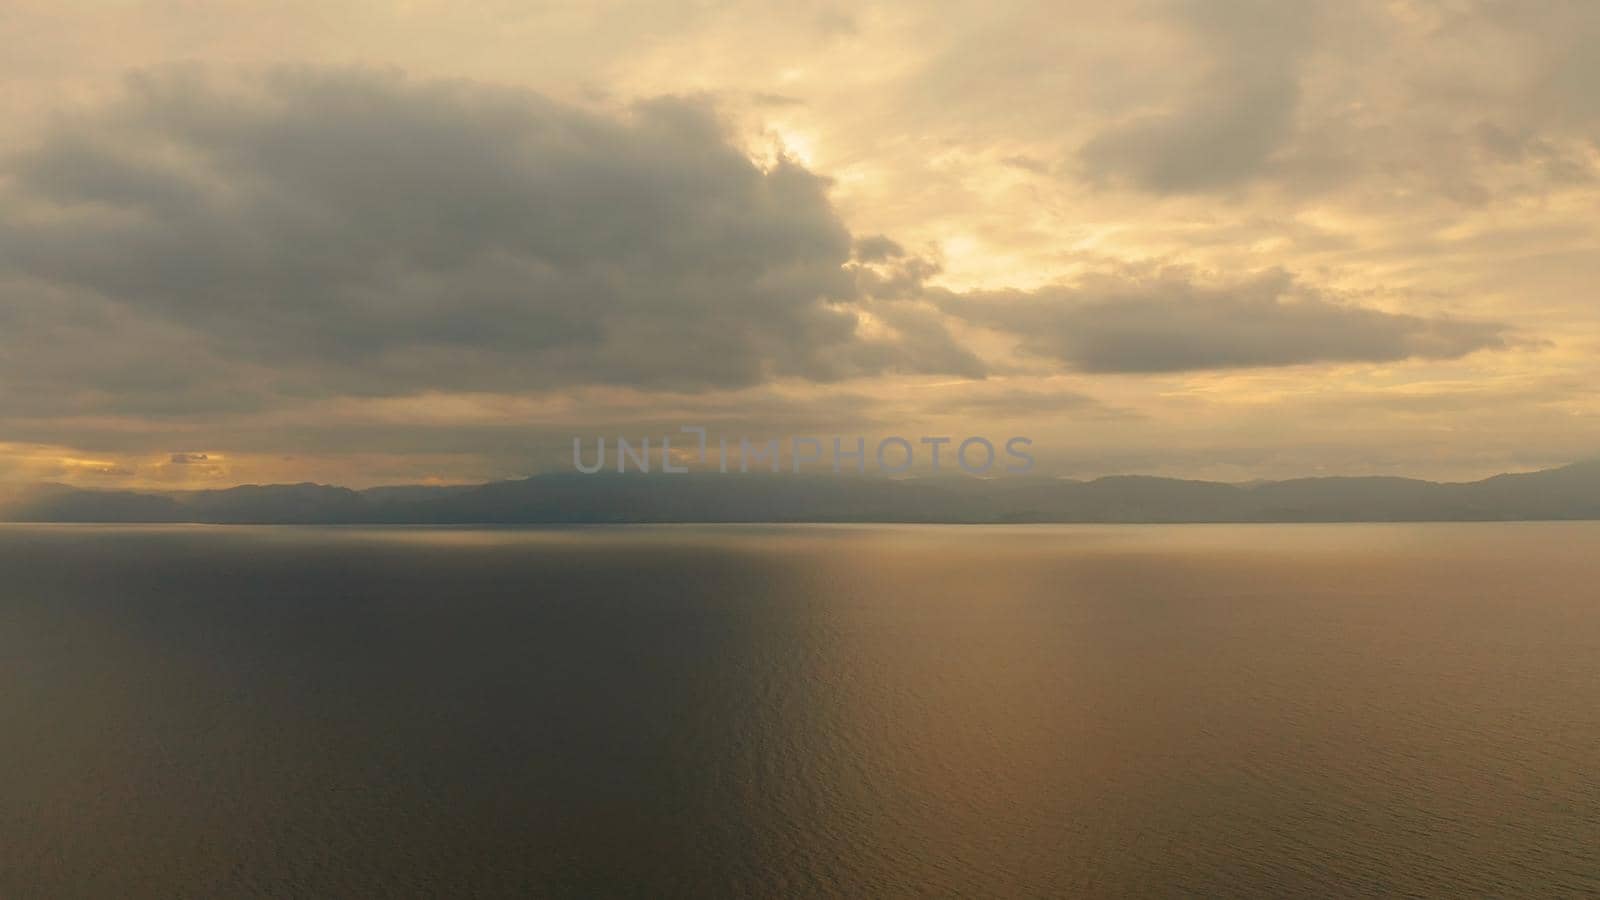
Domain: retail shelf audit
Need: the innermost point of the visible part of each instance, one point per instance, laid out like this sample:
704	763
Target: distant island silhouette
1569	492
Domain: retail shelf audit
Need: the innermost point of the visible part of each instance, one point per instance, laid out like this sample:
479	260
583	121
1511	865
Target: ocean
786	711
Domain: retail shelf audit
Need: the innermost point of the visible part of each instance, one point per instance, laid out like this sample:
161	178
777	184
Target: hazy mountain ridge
1569	492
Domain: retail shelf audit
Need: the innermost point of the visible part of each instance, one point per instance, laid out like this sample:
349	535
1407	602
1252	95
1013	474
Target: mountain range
1569	492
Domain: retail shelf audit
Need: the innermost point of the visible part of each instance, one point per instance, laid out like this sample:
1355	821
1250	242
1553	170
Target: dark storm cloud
1169	323
66	351
1239	112
320	232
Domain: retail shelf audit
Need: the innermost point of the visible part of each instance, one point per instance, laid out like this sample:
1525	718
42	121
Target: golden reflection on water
859	710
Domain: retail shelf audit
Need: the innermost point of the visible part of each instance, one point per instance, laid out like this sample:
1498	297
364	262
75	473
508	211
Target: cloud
1225	130
314	232
1170	322
1003	402
1359	103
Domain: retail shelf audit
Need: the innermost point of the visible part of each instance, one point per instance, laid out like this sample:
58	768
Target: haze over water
802	710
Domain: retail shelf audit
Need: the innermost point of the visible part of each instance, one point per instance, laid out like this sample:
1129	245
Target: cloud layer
362	233
1170	323
1232	239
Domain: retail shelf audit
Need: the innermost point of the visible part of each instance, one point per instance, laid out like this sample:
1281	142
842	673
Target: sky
432	242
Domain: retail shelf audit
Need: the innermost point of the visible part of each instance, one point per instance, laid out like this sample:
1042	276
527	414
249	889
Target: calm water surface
800	711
